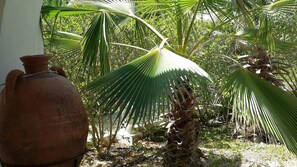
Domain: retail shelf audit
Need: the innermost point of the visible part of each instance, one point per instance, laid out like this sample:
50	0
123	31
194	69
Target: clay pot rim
35	59
37	55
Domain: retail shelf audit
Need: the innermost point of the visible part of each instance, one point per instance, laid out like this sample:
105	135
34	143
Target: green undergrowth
222	149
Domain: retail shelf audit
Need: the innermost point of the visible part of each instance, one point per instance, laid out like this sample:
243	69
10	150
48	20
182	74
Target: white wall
20	33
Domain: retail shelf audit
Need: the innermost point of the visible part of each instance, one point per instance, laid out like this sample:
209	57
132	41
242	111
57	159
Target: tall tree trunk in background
20	33
181	148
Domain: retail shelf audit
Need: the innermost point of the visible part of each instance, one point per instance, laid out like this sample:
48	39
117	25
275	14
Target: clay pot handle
11	81
59	70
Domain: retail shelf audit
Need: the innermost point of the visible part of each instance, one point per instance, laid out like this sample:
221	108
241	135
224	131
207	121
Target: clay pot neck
35	63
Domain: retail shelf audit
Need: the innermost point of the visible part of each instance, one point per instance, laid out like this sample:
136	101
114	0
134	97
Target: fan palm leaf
96	41
265	105
142	87
124	8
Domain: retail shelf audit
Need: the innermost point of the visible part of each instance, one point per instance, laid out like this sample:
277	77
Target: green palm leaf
97	38
124	7
266	105
256	37
281	6
150	8
54	3
65	42
96	41
187	5
143	87
50	11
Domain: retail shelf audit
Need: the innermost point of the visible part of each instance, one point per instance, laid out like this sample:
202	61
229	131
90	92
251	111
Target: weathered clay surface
42	118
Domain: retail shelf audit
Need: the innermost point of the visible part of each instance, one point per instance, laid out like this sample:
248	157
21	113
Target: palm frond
65	41
151	8
49	11
265	39
246	13
54	3
124	7
143	86
281	7
187	5
68	35
96	42
266	105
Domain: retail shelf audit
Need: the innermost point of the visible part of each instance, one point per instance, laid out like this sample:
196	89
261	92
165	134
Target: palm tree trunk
262	65
181	148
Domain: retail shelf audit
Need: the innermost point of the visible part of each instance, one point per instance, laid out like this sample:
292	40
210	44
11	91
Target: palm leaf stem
149	26
179	33
130	46
186	40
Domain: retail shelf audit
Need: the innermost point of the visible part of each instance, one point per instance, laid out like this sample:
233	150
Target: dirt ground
148	154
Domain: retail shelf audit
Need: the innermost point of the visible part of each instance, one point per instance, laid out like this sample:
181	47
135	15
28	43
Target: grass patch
223	150
218	160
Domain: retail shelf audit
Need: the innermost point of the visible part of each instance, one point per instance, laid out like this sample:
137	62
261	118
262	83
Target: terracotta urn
42	118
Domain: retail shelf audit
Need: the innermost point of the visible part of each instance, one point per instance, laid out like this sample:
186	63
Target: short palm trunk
181	148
